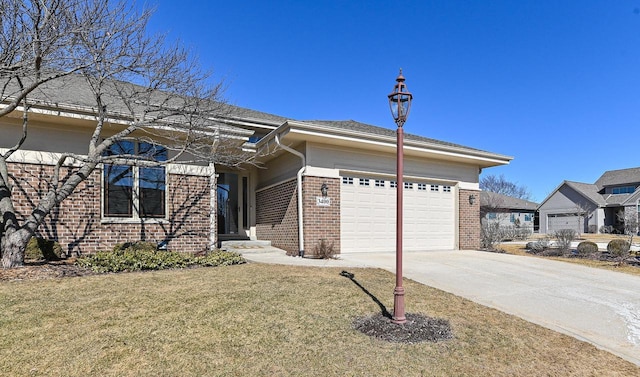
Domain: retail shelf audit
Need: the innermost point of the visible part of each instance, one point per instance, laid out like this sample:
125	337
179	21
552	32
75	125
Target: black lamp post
400	103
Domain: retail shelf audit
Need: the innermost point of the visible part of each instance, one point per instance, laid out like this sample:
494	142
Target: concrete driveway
598	306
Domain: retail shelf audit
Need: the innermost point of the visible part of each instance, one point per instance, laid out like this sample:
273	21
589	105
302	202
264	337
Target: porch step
243	246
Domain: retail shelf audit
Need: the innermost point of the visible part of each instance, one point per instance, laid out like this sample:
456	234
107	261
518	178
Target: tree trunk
13	245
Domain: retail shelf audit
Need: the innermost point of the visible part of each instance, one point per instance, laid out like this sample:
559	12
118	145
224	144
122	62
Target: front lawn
265	320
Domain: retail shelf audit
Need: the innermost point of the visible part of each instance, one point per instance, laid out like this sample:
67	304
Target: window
446	188
347	180
422	186
527	217
393	184
434	188
408	185
491	216
379	183
135	191
512	218
623	190
364	181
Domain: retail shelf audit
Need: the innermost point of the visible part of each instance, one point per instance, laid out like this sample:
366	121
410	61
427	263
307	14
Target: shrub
606	229
564	238
136	246
490	235
39	248
587	247
540	245
324	250
619	248
131	259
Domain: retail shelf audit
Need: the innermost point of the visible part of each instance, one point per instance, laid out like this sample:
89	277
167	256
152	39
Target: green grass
264	320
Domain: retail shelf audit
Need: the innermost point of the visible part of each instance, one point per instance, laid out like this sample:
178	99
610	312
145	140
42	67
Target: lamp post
400	103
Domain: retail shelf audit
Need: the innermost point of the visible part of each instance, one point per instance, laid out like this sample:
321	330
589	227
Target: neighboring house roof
588	190
595	191
499	201
619	177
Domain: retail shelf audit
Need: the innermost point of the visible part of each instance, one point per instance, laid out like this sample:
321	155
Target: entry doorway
233	199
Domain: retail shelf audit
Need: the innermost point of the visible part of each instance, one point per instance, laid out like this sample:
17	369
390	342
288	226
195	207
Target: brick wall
277	216
321	222
469	231
77	225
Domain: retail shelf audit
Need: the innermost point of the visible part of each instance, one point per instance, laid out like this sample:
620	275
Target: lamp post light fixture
400	104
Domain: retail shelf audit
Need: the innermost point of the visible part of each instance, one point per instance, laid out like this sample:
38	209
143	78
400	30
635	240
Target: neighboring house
507	210
595	207
343	171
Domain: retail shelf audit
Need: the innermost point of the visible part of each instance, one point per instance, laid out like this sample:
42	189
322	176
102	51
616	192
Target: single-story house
592	207
311	181
507	210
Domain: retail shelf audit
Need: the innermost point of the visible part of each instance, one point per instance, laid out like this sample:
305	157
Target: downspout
299	177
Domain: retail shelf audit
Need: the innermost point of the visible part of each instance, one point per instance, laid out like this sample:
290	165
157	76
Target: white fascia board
453	152
250	122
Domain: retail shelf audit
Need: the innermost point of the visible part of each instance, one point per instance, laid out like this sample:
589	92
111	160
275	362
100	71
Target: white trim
184	169
322	172
35	157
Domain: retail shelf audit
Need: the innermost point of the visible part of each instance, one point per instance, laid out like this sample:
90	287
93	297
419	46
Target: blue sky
555	84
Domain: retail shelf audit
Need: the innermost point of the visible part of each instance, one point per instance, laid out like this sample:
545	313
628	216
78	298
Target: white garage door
562	221
368	215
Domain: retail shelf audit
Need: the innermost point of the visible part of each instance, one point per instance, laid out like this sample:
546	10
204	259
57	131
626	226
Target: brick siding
77	225
277	216
469	229
321	222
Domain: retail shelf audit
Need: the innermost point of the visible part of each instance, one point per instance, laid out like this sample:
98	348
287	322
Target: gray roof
375	130
595	191
74	92
619	177
499	201
588	190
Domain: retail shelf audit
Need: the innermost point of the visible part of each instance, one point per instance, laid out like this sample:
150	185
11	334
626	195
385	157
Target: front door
232	204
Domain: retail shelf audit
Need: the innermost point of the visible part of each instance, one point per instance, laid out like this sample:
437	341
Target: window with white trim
446	188
364	181
393	184
408	185
347	180
379	183
135	191
422	187
435	188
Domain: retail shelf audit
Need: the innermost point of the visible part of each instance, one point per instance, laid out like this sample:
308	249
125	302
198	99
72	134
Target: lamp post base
398	306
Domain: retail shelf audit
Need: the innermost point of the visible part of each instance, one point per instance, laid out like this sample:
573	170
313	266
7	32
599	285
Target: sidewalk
594	305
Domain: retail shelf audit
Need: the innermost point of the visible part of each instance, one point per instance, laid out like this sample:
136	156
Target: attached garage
559	221
368	215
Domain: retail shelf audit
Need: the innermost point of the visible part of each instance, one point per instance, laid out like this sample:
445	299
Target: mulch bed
418	328
38	270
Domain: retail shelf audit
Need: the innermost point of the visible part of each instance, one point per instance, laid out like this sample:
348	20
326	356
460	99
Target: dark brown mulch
38	270
418	328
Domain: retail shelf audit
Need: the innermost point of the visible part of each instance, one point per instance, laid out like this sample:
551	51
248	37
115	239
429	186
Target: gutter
299	182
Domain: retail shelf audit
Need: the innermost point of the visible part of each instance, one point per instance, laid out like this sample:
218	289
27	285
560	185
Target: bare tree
138	86
500	185
631	223
582	210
